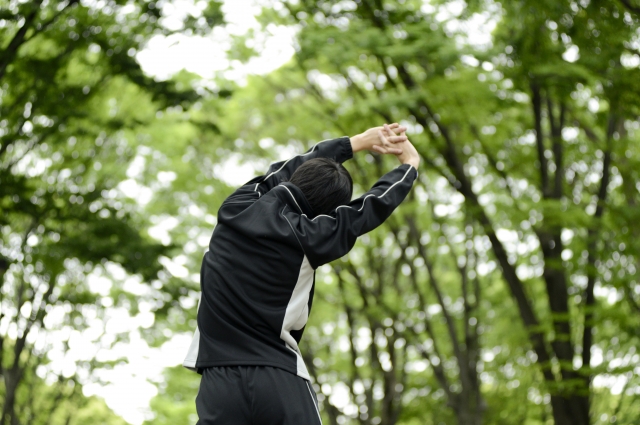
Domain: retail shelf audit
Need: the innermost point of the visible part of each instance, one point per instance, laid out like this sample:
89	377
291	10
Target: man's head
325	183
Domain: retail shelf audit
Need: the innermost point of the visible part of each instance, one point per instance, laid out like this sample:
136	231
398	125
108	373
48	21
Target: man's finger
397	139
385	128
381	136
399	130
384	150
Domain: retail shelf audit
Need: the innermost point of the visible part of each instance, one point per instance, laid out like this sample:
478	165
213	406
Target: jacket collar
293	196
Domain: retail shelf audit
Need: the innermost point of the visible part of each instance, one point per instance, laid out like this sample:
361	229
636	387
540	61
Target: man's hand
371	141
408	153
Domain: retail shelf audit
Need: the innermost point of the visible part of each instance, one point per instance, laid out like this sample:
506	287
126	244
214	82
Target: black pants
255	395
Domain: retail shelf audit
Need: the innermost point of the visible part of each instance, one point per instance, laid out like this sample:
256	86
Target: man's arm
328	237
340	150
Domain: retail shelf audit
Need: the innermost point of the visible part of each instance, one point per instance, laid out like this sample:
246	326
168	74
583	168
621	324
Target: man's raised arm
328	237
340	150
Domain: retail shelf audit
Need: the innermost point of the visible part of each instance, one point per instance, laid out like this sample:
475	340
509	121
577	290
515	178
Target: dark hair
325	183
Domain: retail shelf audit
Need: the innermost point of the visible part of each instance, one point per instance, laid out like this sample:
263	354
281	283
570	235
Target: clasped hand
389	139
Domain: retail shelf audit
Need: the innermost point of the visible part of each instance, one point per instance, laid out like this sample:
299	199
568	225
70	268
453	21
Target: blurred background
503	291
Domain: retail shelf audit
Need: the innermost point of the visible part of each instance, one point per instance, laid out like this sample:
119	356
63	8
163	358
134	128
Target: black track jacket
257	279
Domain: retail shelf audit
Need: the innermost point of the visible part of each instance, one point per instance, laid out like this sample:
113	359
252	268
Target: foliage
62	403
175	401
504	291
73	102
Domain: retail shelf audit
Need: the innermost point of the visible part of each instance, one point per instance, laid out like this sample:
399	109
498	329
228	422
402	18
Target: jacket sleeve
328	237
337	149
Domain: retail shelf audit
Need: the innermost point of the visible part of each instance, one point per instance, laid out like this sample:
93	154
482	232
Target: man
257	279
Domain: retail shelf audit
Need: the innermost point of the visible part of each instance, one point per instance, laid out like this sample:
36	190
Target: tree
175	401
396	58
73	99
505	288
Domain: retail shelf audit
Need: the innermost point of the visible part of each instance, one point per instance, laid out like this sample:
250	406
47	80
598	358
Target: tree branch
592	235
513	281
7	56
558	151
536	103
629	6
